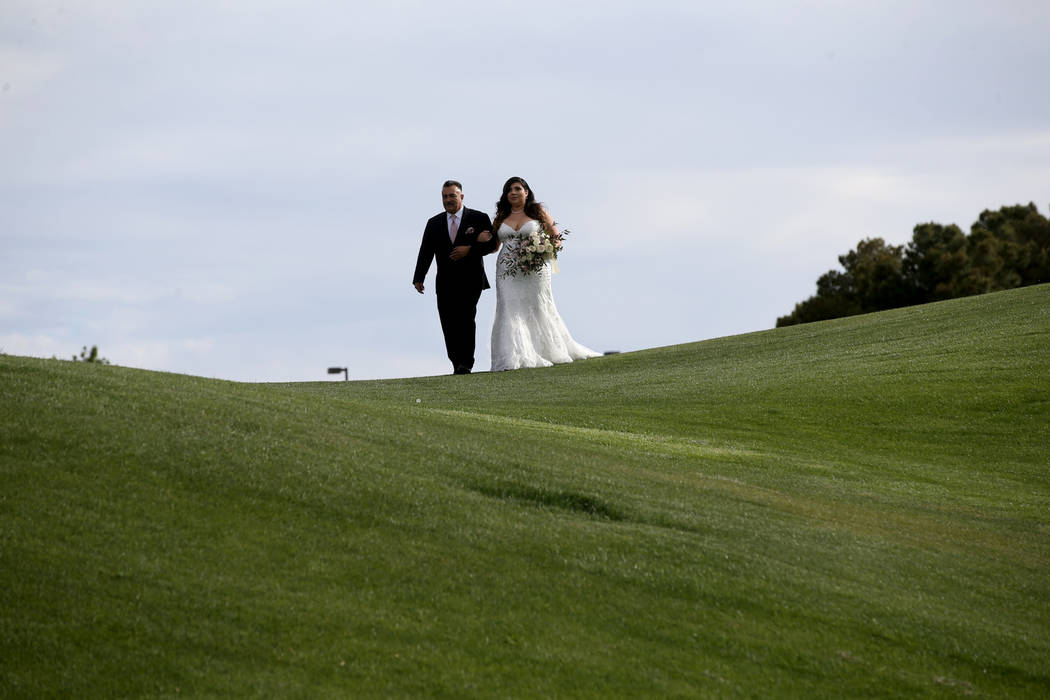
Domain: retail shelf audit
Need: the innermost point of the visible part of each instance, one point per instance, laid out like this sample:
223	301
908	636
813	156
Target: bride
527	330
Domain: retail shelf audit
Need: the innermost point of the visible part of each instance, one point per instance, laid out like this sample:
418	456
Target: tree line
1005	249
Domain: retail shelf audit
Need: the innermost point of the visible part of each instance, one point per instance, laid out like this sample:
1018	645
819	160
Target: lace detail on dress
528	330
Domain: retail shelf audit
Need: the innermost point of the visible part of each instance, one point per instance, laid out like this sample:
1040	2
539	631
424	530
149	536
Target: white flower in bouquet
535	250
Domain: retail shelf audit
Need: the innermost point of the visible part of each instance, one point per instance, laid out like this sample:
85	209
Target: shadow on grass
562	500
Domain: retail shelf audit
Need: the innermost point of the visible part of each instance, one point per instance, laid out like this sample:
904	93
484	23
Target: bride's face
517	195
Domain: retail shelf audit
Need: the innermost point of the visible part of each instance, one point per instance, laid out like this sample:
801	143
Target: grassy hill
856	508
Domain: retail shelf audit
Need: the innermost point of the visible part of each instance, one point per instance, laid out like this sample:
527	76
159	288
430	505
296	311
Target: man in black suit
458	238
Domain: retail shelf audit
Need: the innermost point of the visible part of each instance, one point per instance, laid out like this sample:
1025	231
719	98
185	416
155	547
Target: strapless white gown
528	330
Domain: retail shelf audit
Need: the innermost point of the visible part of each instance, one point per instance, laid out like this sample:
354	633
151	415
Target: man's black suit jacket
467	273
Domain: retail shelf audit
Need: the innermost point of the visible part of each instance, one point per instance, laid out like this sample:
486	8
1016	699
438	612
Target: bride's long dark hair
533	209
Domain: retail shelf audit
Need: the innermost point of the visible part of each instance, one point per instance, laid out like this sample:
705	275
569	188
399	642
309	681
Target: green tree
90	356
935	262
994	258
872	280
877	271
1005	249
1022	240
832	300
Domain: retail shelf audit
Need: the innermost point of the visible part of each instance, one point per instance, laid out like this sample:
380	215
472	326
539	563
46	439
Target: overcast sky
237	189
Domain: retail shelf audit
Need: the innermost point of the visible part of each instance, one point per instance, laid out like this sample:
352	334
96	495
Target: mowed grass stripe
928	521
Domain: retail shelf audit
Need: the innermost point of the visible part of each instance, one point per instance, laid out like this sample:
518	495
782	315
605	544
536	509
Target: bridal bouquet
534	250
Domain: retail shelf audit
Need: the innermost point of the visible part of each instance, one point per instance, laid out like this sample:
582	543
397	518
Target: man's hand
418	286
459	252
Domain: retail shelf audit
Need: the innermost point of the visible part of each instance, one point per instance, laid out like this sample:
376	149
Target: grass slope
857	508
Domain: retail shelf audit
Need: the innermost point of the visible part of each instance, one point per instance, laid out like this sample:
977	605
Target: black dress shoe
462	370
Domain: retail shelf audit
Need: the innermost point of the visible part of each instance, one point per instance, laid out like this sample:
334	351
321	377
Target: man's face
452	199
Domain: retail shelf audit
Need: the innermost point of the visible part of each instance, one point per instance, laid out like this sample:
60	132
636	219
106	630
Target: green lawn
856	508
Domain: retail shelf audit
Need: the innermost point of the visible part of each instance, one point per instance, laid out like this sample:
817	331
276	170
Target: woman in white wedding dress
528	330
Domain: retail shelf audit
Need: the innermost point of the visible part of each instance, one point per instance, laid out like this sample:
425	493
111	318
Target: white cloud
24	72
162	354
34	345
